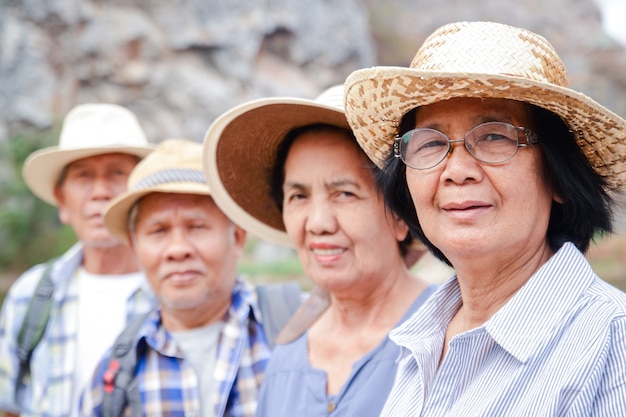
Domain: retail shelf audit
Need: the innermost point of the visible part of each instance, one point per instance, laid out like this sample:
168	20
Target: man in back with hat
96	285
203	352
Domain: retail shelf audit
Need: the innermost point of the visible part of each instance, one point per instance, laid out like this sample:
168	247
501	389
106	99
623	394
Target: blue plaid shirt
49	390
168	385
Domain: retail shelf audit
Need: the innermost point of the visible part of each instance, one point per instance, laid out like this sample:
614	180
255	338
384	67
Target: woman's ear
239	236
399	227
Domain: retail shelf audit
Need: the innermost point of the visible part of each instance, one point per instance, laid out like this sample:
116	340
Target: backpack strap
309	311
120	385
277	303
34	325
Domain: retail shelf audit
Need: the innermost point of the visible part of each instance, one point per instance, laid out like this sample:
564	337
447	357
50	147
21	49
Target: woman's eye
507	136
294	197
431	145
492	137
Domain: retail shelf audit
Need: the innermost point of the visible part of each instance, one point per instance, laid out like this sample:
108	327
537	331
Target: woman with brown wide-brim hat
506	174
290	171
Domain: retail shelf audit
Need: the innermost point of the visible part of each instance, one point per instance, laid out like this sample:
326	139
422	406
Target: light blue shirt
292	387
557	348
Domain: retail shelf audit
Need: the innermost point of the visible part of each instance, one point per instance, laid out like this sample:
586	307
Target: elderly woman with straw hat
506	174
290	171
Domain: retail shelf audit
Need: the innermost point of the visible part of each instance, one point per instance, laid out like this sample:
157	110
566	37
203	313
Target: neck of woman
488	284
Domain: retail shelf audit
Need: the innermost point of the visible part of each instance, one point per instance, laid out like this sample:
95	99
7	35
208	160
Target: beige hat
175	166
488	60
88	130
229	152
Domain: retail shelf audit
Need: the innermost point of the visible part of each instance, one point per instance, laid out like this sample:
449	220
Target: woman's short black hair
586	207
277	172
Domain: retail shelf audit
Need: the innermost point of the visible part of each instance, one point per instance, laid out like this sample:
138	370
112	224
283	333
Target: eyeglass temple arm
396	147
530	137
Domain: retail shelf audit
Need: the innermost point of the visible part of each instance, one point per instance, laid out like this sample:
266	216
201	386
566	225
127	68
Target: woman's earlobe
557	198
402	229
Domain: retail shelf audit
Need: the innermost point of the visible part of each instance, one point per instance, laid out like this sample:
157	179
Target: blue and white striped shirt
557	348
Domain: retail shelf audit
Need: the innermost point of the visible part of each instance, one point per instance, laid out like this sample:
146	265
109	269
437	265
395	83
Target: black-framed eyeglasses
491	143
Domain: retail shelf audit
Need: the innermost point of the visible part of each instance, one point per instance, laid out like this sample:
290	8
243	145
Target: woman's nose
459	164
321	218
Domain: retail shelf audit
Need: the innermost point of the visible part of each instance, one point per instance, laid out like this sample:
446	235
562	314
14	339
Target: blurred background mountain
179	64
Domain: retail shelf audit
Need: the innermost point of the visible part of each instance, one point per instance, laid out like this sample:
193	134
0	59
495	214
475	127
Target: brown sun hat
88	130
175	166
237	167
487	60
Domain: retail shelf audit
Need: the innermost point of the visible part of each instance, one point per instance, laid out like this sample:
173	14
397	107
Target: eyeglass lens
491	142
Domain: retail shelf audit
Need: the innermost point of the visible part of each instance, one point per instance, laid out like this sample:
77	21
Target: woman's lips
467	209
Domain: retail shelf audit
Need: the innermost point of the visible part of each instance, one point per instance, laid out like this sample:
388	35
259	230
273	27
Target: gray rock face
177	64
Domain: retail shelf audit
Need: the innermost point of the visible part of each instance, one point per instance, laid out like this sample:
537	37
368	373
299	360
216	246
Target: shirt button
331	407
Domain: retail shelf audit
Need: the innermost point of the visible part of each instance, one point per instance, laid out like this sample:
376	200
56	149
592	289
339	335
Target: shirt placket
454	373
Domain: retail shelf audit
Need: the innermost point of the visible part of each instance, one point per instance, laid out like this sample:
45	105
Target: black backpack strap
277	303
120	385
34	325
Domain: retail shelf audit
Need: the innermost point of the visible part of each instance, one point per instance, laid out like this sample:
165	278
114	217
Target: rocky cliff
178	64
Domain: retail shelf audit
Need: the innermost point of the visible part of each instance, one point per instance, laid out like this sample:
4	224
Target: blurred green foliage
30	231
262	272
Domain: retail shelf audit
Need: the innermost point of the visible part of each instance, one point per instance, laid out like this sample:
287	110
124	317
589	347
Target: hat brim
42	168
229	152
377	98
115	216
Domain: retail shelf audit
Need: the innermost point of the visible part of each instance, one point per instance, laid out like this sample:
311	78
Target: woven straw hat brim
116	214
377	98
240	150
174	167
42	168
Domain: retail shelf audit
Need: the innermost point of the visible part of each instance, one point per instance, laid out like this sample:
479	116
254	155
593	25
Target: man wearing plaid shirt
203	352
96	285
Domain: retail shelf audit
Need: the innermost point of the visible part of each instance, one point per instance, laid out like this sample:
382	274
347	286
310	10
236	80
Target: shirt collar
523	323
533	313
242	304
431	320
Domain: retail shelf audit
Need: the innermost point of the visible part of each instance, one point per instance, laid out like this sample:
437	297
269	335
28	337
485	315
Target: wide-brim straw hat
486	60
240	150
175	166
88	130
